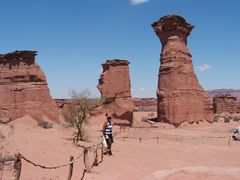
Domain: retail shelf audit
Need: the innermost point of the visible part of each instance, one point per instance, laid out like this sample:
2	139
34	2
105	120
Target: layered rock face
225	103
114	85
180	96
23	88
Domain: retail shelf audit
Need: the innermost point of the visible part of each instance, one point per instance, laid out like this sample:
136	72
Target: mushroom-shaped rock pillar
180	96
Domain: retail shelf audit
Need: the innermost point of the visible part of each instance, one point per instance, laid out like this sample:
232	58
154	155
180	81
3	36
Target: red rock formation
232	92
145	104
23	88
225	103
114	85
180	96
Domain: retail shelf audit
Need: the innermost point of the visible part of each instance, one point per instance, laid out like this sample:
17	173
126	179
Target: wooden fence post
17	167
95	160
86	160
229	141
1	167
70	168
102	150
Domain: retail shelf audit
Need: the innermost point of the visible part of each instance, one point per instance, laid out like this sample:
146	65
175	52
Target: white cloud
136	2
204	67
142	89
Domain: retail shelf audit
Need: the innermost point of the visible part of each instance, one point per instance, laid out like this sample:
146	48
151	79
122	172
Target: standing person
107	133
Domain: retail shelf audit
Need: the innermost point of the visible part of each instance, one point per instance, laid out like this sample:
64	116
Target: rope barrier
51	167
145	127
59	166
89	147
11	158
177	138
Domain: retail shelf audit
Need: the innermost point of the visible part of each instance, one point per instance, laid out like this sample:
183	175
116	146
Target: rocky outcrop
180	96
23	88
225	103
114	85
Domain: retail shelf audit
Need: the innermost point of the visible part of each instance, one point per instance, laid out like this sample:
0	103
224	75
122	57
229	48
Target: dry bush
77	112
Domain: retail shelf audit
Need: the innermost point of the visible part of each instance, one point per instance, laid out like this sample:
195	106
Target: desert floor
197	151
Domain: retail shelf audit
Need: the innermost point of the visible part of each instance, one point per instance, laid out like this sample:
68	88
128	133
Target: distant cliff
233	92
150	104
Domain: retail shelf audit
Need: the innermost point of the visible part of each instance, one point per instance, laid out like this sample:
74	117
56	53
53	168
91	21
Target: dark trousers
109	141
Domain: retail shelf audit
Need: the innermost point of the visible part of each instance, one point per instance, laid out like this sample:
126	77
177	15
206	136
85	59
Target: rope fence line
51	167
122	129
85	153
205	137
176	138
90	147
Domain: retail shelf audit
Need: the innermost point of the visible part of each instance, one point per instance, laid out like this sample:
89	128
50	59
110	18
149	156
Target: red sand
180	154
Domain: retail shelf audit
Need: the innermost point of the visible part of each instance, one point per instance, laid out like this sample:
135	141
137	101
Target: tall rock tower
114	85
23	88
180	96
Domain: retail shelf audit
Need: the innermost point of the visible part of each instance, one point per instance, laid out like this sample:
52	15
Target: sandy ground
198	151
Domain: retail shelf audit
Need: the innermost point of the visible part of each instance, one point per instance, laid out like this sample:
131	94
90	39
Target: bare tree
78	110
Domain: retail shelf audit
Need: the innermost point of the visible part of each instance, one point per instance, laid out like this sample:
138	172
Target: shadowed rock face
225	103
180	96
23	88
114	85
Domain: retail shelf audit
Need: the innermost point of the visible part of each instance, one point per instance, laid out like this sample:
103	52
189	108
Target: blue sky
74	37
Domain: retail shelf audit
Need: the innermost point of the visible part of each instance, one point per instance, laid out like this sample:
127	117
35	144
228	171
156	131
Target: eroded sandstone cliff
114	85
226	103
23	88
